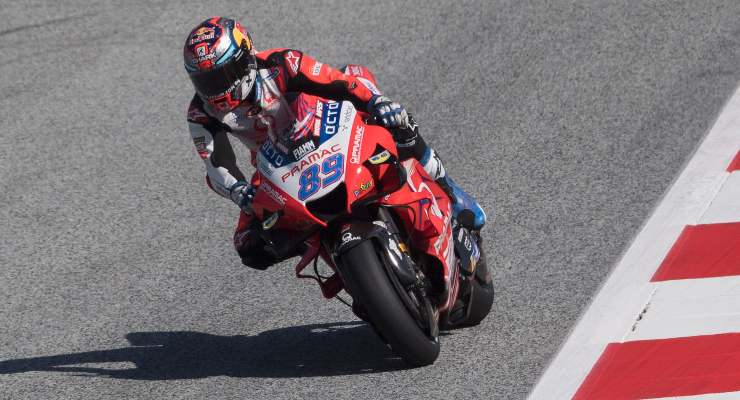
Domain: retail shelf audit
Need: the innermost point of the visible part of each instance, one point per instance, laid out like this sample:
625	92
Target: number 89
309	183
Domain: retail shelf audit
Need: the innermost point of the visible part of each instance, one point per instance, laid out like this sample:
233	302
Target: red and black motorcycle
382	225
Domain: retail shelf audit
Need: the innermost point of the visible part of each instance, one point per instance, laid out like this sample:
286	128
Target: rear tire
481	296
370	285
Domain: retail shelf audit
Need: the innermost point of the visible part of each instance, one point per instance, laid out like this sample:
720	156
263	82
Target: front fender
354	233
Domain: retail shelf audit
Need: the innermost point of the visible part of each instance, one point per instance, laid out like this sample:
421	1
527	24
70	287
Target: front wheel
369	284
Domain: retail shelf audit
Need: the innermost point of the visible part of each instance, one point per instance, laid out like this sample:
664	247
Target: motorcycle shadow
301	351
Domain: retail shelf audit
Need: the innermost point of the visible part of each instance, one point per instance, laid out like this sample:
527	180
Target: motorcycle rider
246	93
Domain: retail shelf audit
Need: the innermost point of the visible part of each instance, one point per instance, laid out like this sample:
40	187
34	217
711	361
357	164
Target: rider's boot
411	144
461	200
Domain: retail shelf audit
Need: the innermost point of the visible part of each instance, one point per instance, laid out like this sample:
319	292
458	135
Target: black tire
369	285
481	296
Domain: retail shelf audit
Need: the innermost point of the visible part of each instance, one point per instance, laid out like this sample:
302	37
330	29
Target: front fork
383	232
408	280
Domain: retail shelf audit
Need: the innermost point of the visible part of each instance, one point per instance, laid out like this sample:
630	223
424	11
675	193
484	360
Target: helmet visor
224	78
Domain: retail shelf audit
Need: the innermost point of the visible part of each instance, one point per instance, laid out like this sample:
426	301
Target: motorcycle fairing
343	157
291	182
426	210
335	135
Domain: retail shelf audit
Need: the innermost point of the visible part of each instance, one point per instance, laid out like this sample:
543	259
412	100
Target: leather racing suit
282	73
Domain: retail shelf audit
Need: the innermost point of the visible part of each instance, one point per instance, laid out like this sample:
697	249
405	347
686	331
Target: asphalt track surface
567	120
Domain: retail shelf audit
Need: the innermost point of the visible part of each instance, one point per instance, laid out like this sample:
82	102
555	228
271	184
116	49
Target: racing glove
242	193
388	113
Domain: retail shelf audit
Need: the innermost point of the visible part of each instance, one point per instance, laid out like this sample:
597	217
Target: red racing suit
281	74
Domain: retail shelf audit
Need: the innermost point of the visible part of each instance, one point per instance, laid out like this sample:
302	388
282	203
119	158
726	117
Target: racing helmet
221	62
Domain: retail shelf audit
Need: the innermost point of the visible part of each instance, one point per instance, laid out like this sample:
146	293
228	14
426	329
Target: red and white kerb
666	324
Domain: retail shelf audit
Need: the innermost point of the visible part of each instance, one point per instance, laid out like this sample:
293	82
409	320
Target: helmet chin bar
239	91
225	102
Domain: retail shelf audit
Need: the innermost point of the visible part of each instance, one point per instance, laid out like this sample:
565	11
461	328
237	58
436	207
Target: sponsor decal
303	149
293	61
317	121
203	56
330	120
468	253
310	160
345	119
316	70
316	127
349	237
201	147
357	144
275	157
206	57
465	240
410	143
363	187
369	85
202	34
380	157
274	194
264	167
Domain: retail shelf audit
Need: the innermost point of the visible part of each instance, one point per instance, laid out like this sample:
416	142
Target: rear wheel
371	286
481	296
477	300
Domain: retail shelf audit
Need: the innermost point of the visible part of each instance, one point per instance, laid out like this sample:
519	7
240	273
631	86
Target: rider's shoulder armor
288	60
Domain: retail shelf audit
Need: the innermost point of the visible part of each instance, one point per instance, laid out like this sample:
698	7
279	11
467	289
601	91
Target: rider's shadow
301	351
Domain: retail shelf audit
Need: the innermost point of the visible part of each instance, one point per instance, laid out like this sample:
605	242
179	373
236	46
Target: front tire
369	284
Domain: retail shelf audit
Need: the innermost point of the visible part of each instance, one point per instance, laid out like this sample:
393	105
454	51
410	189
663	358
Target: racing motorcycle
382	226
